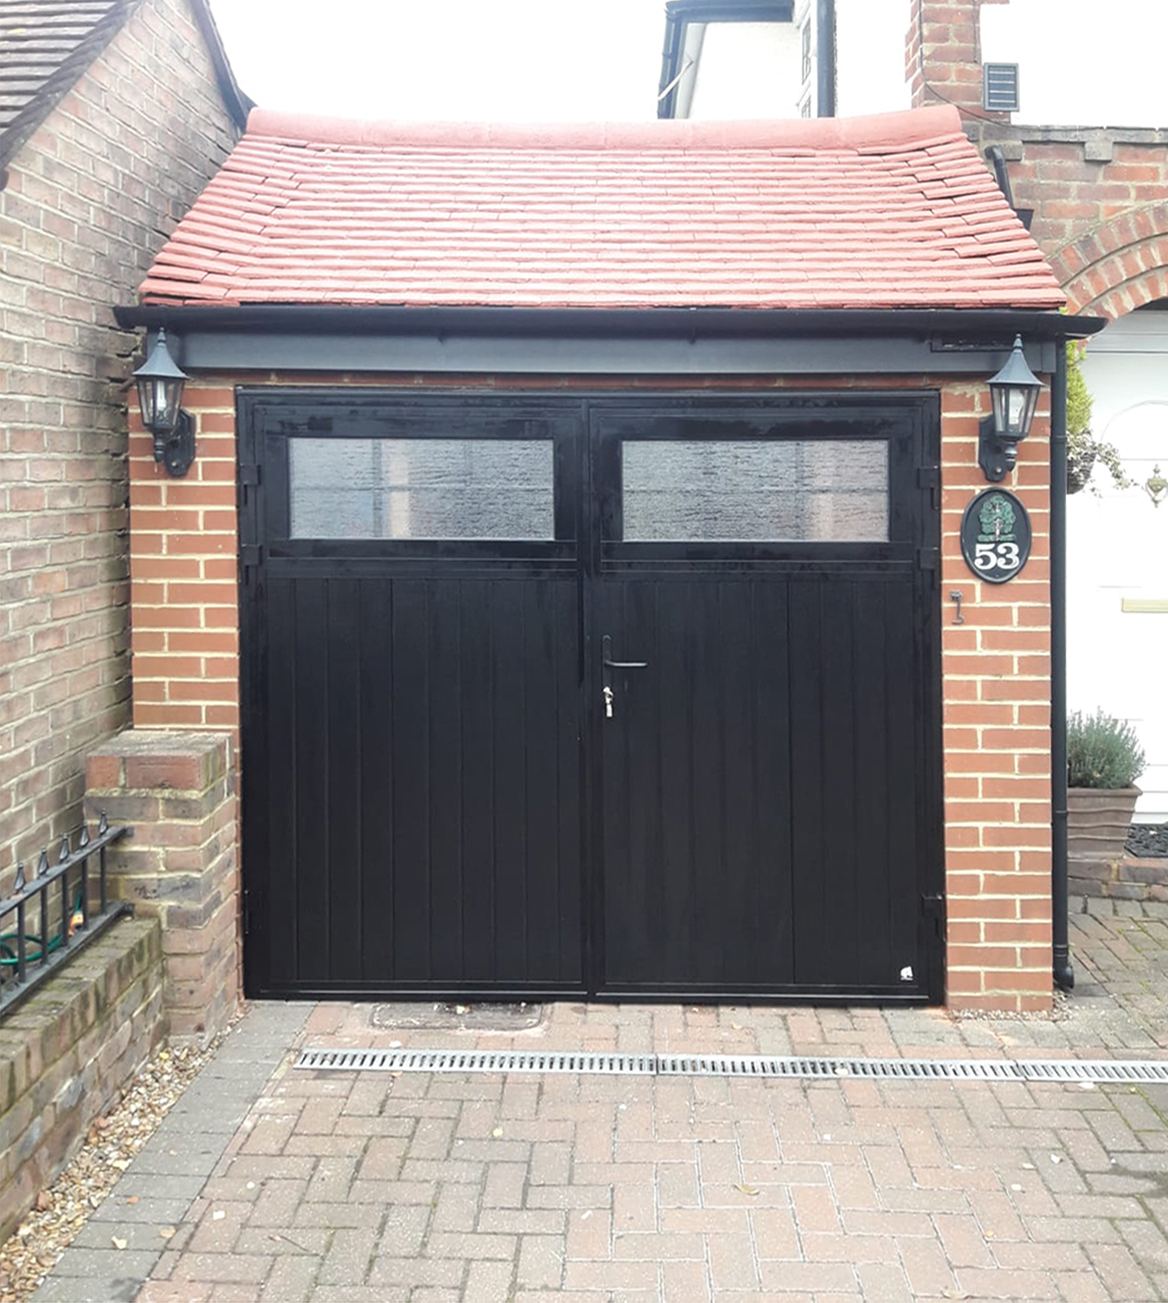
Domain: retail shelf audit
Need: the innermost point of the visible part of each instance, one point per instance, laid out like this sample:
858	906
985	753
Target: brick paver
347	1188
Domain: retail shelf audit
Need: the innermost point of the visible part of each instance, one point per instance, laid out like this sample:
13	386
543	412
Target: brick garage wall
90	198
69	1051
996	692
996	666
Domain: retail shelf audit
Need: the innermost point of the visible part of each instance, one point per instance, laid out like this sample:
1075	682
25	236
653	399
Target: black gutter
1064	973
997	161
974	327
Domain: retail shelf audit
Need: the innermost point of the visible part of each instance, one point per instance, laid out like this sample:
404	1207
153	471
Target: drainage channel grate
725	1065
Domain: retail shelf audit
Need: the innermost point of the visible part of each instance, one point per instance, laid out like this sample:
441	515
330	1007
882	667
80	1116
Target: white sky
500	60
589	60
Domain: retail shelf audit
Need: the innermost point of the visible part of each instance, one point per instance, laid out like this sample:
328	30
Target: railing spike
19	882
43	864
103	823
83	840
63	853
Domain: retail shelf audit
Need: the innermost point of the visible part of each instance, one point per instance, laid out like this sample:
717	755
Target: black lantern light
160	390
1014	391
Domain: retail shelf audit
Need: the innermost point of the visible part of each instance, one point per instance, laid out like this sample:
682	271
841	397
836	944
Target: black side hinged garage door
628	697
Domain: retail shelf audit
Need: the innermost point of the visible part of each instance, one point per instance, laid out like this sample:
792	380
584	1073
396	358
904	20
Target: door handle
610	664
607	666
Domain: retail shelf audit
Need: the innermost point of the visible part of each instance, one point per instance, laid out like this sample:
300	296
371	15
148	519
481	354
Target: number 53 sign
995	536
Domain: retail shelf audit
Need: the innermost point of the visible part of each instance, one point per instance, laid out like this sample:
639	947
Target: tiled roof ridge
910	129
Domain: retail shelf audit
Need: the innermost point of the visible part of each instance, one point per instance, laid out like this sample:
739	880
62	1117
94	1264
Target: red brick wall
996	692
89	199
996	666
1100	201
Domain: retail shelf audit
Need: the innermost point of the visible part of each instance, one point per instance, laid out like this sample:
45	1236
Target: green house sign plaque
995	536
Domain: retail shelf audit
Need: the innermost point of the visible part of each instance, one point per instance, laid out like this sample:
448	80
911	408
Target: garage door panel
435	800
696	845
428	792
854	770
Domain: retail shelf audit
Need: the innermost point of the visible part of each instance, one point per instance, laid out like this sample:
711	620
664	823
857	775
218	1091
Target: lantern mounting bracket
175	449
996	456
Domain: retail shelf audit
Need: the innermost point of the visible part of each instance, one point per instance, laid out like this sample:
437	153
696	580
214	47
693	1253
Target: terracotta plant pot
1098	820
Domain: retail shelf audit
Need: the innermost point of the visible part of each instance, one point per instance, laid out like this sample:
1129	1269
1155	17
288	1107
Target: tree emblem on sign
997	519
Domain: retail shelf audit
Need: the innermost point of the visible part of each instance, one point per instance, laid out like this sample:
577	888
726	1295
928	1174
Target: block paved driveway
372	1188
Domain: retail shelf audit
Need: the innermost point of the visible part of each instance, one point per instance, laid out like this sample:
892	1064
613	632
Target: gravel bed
1148	840
62	1210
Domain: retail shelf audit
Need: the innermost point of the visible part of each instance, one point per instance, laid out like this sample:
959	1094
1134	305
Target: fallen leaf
951	1291
132	1199
498	1131
166	1232
44	1201
218	1215
745	1189
1054	1158
737	1026
117	1243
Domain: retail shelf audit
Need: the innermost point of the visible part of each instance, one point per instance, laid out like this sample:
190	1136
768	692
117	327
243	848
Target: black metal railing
57	912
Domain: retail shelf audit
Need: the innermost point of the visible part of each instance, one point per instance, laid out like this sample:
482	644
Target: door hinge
251	557
929	477
933	907
246	911
249	479
928	558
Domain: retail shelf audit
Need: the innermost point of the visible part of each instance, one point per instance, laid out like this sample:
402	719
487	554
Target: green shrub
1102	751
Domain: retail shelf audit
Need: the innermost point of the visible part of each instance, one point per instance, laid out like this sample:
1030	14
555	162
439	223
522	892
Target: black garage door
632	697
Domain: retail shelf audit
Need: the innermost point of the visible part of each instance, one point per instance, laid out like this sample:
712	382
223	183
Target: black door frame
920	406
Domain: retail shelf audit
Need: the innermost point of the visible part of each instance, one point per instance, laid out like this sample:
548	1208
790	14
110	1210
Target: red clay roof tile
896	211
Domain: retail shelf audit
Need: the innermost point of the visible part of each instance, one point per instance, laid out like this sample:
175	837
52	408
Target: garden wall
67	1053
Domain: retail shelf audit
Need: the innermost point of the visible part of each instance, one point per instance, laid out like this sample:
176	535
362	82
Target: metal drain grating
1119	1071
476	1061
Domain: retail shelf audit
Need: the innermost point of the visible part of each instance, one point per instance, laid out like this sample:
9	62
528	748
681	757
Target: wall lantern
1014	391
1156	486
160	391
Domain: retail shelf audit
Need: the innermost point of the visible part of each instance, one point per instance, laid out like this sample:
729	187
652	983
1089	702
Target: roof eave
958	323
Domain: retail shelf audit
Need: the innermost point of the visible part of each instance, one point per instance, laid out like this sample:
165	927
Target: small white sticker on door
906	973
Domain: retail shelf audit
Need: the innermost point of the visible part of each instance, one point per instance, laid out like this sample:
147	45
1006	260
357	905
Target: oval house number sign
995	536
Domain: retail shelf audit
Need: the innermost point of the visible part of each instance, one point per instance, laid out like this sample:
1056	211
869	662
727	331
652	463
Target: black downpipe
1064	973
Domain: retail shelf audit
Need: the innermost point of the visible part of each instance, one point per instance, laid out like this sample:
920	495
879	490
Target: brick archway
1118	266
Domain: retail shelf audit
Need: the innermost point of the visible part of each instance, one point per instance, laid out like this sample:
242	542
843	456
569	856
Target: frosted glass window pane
806	491
421	488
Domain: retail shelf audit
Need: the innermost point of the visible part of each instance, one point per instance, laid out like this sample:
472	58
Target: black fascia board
956	324
680	13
